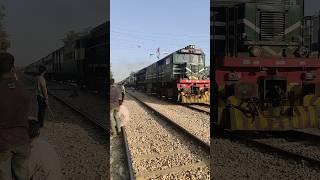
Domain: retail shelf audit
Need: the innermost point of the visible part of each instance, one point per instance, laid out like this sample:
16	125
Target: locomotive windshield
190	65
190	59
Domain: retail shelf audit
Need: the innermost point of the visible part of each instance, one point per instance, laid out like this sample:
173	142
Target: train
82	61
181	76
267	66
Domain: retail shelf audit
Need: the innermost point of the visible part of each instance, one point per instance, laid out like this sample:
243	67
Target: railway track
78	110
82	113
292	145
200	108
157	147
198	124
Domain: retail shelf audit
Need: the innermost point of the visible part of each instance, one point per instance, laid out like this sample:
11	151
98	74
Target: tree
111	76
70	37
4	42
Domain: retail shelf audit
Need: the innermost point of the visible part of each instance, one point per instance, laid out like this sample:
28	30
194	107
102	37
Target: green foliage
4	41
70	37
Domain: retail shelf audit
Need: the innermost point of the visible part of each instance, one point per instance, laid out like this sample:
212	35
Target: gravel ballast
160	152
195	122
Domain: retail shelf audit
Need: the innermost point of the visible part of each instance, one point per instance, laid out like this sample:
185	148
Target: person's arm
43	86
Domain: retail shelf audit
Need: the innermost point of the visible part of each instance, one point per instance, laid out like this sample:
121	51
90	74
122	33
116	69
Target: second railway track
292	145
200	108
195	123
158	150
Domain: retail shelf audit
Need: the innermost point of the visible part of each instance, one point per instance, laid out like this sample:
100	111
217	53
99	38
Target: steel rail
196	109
78	111
194	138
128	155
270	148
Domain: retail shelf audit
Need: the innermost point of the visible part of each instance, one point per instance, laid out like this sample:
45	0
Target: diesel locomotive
267	66
83	61
181	76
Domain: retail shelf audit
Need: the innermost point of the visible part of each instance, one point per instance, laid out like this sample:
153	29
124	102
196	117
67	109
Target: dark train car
95	62
140	79
266	76
83	61
180	76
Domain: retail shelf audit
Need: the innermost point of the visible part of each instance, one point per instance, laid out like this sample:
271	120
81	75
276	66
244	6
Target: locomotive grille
272	26
194	68
284	2
271	1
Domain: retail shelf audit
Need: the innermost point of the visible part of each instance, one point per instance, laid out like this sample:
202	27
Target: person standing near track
114	106
42	94
14	110
123	115
123	92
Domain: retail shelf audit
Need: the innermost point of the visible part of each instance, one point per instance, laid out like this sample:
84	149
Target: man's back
114	96
44	163
123	89
14	111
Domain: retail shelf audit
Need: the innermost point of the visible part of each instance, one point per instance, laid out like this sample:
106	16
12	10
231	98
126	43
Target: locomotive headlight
255	51
303	52
244	36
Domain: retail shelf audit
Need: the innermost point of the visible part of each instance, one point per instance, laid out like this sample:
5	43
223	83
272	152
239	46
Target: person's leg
5	164
112	122
44	112
117	119
20	162
41	110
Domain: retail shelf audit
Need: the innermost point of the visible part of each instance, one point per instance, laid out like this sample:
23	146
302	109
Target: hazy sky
139	27
36	27
311	7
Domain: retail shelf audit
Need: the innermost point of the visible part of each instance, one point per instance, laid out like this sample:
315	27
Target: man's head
34	129
6	64
112	81
42	70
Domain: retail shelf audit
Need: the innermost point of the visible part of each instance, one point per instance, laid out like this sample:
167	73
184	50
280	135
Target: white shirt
44	162
123	115
123	89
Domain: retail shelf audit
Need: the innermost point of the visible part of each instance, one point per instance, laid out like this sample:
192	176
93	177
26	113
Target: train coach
267	65
83	61
181	76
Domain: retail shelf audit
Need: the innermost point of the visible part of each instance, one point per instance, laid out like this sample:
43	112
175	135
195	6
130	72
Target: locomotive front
191	75
266	78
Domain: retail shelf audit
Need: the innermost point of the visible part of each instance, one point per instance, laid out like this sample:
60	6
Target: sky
139	27
36	27
311	7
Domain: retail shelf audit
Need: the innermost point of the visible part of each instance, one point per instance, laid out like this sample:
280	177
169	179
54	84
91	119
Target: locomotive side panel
180	76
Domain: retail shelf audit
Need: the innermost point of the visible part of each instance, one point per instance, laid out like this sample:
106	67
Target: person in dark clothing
114	106
123	91
42	94
14	111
